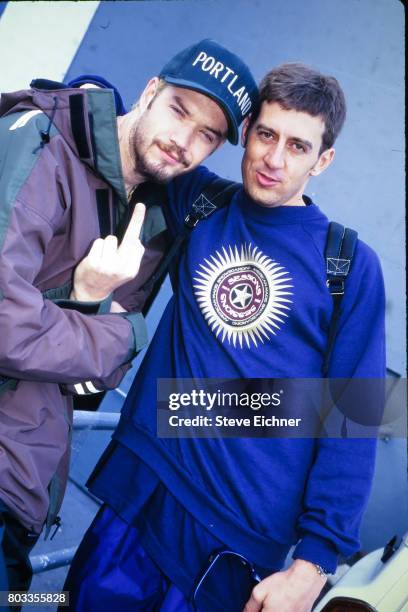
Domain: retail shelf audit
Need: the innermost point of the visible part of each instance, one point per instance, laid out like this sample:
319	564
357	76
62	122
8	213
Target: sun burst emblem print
243	295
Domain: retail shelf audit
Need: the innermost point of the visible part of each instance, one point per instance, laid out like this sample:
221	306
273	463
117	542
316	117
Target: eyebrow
207	127
306	143
183	108
216	133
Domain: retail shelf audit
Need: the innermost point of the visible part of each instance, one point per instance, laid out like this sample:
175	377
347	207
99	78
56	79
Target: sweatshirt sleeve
182	193
340	479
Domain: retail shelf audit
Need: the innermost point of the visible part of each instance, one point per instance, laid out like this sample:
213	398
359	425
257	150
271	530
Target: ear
244	133
323	162
148	93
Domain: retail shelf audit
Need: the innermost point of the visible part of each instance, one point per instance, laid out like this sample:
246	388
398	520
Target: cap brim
233	133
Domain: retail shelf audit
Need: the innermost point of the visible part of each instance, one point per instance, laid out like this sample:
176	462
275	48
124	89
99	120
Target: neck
293	202
131	177
297	198
297	202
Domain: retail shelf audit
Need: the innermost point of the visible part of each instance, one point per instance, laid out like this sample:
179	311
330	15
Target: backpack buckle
335	286
192	219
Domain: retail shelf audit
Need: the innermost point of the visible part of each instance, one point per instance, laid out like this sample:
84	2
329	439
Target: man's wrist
320	570
86	297
308	568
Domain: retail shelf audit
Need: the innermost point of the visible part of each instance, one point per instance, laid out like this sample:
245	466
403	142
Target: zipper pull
57	523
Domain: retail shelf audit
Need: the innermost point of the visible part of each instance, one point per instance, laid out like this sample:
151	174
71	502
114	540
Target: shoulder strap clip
335	285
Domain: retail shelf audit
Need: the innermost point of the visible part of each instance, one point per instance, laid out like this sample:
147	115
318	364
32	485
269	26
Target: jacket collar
87	120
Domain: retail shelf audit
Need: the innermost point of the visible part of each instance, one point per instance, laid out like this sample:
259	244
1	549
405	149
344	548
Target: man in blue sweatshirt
250	301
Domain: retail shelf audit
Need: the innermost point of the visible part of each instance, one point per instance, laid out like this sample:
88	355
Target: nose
275	156
182	137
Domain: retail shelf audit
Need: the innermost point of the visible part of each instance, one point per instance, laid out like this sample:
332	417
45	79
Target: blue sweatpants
111	572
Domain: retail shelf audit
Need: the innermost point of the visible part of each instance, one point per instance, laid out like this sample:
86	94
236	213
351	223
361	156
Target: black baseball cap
211	69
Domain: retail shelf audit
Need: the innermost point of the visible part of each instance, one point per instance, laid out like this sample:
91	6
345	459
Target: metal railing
84	419
52	560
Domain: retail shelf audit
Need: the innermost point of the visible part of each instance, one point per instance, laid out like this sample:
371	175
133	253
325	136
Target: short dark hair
301	88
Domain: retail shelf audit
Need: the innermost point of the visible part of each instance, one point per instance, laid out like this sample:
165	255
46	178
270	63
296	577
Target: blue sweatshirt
259	496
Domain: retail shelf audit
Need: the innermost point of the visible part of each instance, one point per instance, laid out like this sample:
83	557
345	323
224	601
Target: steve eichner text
219	399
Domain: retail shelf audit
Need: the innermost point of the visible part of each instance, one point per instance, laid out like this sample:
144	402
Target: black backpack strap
339	251
214	196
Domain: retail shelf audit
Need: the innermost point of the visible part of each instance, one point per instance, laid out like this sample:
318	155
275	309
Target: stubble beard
262	197
152	170
155	171
279	196
271	199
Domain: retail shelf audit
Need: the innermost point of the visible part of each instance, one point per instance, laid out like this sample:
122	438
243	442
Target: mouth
170	155
265	180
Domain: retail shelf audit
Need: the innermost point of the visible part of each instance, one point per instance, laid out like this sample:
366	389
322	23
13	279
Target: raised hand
109	265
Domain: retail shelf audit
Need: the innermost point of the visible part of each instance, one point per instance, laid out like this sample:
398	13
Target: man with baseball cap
69	168
199	99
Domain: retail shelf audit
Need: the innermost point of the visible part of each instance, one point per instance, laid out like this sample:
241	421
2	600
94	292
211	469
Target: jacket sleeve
132	296
340	479
40	339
